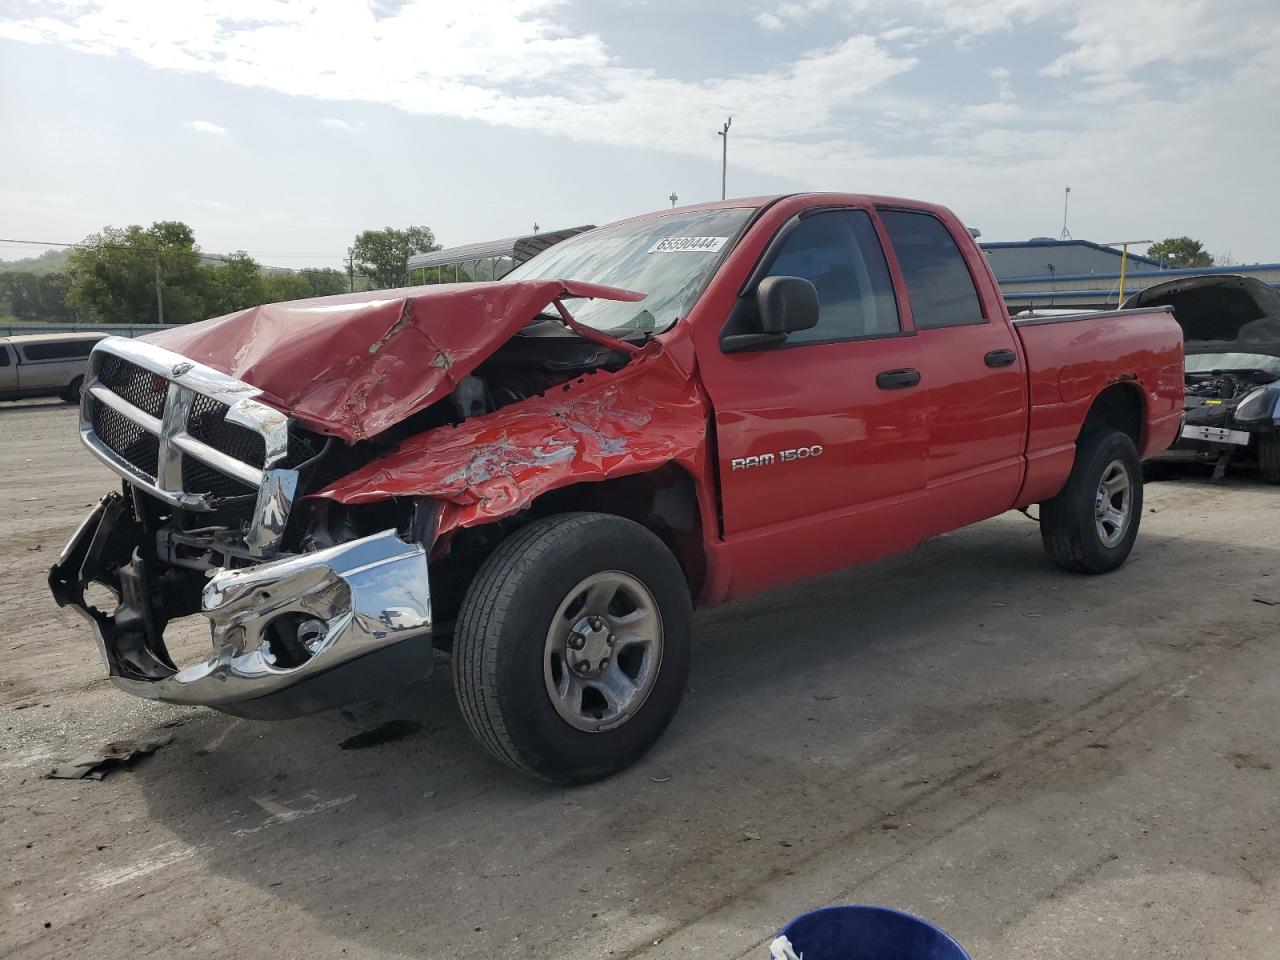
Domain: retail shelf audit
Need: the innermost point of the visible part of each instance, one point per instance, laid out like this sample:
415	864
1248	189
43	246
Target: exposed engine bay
1226	386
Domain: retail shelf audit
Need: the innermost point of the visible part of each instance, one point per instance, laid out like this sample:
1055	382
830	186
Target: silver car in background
45	364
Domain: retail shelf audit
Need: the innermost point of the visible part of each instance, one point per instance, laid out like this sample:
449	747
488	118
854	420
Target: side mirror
782	305
786	304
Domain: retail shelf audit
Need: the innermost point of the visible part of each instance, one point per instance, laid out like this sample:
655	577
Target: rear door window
939	284
4	356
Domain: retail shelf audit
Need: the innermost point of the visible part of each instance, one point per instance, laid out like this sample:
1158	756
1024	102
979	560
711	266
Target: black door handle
897	379
1001	358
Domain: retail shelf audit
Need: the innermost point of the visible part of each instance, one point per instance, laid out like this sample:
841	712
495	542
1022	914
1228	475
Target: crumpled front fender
605	425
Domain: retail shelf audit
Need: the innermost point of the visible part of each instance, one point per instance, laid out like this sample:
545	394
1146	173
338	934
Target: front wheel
1269	457
571	650
1090	526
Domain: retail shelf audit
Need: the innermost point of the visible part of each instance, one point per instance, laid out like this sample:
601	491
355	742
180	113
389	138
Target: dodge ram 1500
545	474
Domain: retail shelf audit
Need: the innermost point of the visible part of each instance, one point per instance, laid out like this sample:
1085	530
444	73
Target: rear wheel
1269	458
571	650
1090	526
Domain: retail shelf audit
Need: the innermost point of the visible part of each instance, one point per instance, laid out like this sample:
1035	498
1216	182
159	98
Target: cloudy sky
285	126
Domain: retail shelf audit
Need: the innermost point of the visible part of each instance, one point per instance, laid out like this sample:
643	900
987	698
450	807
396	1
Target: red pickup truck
545	474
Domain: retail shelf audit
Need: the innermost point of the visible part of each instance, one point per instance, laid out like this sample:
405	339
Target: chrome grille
189	434
127	439
198	478
142	388
207	422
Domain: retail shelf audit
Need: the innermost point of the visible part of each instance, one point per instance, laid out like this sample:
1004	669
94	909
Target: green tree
1181	252
233	283
113	274
286	286
36	297
325	282
384	254
51	261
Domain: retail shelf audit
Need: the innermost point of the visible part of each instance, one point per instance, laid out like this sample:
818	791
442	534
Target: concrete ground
1048	766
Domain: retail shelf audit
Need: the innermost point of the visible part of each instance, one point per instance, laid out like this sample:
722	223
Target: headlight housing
1258	405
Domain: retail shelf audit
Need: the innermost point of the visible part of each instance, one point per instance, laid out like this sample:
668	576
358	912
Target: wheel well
1118	407
664	501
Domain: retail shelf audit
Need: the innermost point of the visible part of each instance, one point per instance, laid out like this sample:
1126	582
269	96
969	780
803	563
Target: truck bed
1071	359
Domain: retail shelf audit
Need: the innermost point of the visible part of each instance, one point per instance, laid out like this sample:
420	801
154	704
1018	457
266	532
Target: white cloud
1133	87
964	18
205	127
342	126
514	66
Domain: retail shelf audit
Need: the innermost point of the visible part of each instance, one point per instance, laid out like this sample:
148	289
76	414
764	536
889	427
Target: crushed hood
1220	313
650	414
354	365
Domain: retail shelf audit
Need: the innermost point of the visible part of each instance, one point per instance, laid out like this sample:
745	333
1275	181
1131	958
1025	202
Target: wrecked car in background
1231	329
545	474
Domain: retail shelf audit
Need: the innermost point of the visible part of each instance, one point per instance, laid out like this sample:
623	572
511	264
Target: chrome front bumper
291	636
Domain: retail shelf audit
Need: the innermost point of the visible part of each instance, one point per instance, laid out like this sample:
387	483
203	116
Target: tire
1269	458
1076	537
513	631
72	394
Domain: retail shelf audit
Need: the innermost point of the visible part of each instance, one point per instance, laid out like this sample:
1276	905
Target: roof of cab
759	203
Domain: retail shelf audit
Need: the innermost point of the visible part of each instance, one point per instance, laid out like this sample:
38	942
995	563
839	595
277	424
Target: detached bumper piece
290	637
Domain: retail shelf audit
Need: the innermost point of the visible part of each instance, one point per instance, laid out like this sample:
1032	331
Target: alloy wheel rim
1113	503
603	651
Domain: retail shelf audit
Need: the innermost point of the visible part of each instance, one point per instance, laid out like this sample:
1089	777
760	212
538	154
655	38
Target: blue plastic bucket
868	933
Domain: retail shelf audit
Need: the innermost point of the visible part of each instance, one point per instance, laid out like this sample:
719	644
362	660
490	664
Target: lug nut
577	641
584	666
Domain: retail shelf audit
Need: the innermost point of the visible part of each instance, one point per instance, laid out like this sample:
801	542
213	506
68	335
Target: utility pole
351	270
673	198
723	133
159	295
1066	202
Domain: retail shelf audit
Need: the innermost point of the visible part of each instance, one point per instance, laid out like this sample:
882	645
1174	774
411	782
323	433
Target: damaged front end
227	433
290	637
1231	332
211	474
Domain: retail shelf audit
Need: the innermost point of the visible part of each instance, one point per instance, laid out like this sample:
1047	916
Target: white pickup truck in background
45	364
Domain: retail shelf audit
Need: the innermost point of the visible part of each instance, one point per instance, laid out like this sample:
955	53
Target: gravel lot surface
1048	766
